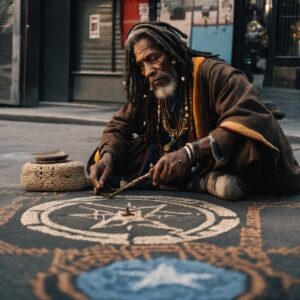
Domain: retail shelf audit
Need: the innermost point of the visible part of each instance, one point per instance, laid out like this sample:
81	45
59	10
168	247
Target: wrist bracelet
189	153
190	147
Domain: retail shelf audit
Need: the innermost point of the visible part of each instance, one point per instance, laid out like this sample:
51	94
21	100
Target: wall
215	39
98	87
56	50
32	47
207	23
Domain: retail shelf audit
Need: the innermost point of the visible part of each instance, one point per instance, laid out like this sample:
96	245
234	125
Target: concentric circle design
155	220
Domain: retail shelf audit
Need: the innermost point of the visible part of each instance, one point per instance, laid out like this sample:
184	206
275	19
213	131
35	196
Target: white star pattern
113	216
166	275
156	219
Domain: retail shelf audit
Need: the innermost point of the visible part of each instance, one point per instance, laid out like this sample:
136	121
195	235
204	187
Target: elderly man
196	123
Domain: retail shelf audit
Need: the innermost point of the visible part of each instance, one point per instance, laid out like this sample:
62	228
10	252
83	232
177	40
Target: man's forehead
144	45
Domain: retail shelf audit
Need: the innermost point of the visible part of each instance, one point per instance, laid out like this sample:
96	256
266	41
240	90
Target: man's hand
170	166
100	171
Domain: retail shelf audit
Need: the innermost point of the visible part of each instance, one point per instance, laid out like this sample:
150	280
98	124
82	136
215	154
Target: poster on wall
144	12
94	27
134	11
177	13
205	12
226	12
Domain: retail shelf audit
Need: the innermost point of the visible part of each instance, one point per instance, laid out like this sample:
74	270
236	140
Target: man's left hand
170	166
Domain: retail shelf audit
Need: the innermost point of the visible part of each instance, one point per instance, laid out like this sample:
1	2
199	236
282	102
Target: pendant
167	147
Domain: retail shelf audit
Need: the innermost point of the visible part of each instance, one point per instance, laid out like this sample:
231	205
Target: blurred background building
63	50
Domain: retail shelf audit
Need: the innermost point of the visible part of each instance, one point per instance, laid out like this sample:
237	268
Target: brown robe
228	107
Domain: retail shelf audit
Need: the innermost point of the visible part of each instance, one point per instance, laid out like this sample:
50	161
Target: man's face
156	66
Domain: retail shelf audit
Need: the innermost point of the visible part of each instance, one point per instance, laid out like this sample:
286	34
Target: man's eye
153	59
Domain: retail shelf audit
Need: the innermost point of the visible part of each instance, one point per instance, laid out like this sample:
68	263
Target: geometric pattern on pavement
155	220
263	267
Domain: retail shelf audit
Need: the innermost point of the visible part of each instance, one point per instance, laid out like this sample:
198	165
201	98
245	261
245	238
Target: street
20	139
212	77
173	245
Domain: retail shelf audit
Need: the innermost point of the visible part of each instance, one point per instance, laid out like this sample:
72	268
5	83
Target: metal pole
16	55
113	67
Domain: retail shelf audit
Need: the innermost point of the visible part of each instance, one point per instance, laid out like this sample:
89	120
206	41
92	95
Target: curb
293	139
80	105
77	121
50	119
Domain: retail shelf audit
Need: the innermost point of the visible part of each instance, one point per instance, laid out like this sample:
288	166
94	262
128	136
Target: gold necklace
163	116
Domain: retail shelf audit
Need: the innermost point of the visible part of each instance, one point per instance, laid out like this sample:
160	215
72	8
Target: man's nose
149	70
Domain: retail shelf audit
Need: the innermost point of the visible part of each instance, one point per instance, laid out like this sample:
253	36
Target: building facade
63	50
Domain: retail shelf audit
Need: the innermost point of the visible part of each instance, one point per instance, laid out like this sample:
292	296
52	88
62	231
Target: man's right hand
100	171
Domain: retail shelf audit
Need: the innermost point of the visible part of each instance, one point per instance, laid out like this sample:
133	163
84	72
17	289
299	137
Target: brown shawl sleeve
233	105
119	132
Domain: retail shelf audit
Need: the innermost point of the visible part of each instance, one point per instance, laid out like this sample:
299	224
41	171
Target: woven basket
53	177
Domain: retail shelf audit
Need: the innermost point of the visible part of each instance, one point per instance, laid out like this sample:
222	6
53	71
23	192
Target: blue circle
161	278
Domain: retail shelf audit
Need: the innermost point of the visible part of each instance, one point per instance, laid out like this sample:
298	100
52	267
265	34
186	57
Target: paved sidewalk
287	100
62	112
73	245
100	114
174	246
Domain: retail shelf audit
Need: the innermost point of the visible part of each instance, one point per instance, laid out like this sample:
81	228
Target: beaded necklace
164	117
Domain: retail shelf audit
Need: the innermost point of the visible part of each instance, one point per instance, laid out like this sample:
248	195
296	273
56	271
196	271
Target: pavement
62	113
98	114
174	245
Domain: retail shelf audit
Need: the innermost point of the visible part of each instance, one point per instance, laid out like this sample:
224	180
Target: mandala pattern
153	249
170	220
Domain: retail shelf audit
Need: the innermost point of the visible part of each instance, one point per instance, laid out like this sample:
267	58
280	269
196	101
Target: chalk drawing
161	278
155	220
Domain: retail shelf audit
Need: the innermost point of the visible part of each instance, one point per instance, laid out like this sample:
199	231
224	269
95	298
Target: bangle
190	146
189	153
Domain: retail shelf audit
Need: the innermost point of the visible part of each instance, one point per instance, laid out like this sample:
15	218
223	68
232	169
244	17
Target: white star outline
165	274
103	210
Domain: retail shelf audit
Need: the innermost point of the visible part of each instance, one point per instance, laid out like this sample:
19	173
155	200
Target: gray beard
166	91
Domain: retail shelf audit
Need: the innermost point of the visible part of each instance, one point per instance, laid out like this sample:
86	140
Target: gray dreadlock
170	40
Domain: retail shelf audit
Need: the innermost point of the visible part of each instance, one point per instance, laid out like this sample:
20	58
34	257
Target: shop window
98	36
6	36
288	29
